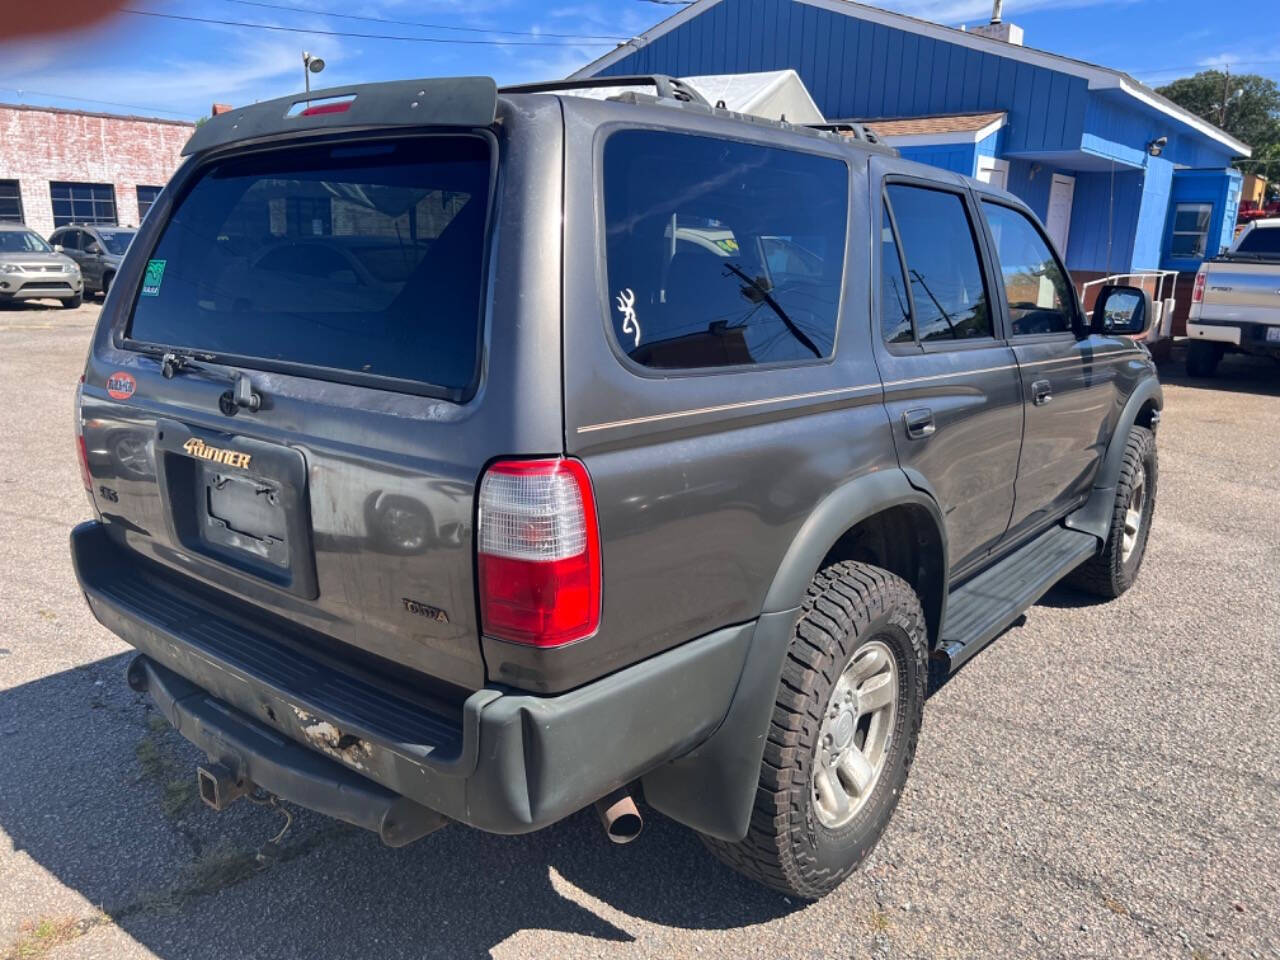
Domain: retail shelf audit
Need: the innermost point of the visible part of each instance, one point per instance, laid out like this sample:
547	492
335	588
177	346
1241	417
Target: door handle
1041	392
919	423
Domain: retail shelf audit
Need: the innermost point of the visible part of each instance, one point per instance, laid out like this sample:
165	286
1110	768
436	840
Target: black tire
848	606
1111	573
1203	357
106	284
72	302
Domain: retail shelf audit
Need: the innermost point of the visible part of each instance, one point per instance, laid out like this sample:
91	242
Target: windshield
1263	241
365	259
22	241
116	241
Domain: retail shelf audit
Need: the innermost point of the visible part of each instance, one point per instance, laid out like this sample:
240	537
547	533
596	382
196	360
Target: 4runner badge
198	448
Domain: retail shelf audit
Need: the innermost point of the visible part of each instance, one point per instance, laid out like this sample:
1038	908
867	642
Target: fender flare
712	788
1095	516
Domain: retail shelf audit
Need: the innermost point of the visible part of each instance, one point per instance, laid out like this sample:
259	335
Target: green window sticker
151	281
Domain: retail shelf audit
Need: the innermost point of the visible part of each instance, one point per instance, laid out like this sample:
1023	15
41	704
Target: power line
24	92
365	36
430	26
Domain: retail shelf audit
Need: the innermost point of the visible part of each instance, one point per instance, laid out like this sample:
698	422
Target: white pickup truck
1235	304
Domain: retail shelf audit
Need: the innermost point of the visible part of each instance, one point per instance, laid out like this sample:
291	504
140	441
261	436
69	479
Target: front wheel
72	302
1113	571
842	736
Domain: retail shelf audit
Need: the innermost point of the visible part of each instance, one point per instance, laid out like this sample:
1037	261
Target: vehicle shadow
1237	373
100	793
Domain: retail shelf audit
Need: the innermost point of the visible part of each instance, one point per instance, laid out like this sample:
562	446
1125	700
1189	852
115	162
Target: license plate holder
238	502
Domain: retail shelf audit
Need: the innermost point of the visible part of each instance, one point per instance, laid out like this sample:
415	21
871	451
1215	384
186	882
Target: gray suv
547	449
31	270
97	249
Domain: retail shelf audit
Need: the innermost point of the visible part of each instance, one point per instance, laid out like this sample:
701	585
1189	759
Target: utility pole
1226	87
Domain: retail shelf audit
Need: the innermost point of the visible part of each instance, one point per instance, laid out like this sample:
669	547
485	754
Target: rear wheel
1203	358
843	733
1113	571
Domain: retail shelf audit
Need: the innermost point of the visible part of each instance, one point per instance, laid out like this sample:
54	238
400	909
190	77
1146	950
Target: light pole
310	65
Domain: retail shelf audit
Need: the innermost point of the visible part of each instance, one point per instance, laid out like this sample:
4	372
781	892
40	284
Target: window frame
93	201
1079	326
978	233
1175	232
17	196
602	136
153	234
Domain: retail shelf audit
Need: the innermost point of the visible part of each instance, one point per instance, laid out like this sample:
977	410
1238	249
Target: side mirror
1122	311
93	248
57	248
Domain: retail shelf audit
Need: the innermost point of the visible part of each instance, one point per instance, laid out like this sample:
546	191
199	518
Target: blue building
1123	179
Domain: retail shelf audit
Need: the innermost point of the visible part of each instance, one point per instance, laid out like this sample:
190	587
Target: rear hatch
290	395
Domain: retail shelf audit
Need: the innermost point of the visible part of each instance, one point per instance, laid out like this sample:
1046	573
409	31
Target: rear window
365	260
721	253
1261	240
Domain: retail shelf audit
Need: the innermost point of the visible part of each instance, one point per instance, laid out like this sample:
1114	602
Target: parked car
685	450
1235	303
31	270
97	249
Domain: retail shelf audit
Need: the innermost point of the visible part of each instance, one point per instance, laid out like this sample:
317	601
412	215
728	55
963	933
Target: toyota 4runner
473	455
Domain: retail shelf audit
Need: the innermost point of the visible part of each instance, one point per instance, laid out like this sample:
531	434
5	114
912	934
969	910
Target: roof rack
669	88
856	131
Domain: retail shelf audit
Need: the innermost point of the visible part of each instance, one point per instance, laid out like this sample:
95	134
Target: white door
994	171
1057	221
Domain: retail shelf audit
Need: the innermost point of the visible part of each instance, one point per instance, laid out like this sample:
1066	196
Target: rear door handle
1041	392
919	423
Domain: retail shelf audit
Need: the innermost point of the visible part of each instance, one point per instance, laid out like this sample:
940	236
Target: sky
143	63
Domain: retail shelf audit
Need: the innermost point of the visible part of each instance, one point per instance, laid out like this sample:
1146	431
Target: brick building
62	166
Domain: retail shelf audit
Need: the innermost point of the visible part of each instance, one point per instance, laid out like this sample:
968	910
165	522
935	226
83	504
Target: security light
1156	147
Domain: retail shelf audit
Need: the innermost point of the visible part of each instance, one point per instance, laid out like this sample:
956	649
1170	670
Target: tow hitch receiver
219	788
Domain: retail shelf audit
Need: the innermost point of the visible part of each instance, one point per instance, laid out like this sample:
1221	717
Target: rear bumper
1217	332
1247	336
261	698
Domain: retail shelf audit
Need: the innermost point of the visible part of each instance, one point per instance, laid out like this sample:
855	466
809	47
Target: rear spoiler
449	102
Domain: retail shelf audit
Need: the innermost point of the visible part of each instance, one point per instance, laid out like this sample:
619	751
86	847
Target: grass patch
37	937
880	921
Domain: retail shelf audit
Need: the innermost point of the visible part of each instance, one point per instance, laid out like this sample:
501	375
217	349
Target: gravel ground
1103	781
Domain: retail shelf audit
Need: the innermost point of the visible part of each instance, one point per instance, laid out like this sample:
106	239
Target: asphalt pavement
1103	781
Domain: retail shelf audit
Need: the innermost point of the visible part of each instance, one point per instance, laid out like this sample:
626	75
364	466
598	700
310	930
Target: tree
1252	108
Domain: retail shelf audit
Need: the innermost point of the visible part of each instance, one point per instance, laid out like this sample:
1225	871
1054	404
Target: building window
146	197
1190	230
83	203
10	201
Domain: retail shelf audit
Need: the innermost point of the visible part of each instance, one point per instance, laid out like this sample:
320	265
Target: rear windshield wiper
241	396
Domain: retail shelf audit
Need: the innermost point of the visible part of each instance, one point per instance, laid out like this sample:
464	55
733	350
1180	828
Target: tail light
538	552
1197	292
82	452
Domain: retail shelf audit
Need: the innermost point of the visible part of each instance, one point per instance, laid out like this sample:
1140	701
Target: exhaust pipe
622	821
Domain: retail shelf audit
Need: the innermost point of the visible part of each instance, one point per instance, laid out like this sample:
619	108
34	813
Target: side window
1035	284
70	239
721	253
895	302
942	262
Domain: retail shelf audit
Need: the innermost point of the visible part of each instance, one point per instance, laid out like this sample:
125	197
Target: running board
981	608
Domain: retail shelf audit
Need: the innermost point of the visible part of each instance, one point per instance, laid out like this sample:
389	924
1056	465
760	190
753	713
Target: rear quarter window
359	259
721	253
